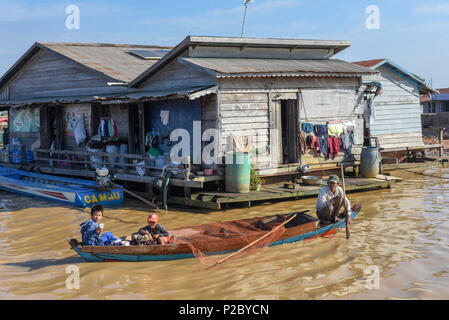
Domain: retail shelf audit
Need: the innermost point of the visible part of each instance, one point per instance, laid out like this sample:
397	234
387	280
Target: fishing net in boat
239	238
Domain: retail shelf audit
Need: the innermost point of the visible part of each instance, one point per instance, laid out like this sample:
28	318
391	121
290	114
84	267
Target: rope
424	174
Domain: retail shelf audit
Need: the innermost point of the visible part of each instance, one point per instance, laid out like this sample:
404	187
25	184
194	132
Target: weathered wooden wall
49	74
398	115
245	115
323	105
178	76
246	111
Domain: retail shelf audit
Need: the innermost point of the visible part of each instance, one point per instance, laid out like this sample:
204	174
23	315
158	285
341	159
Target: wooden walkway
275	192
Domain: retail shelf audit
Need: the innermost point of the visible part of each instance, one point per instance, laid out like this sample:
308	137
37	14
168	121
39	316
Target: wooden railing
83	159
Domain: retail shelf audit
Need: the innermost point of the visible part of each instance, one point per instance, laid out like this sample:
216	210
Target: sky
412	33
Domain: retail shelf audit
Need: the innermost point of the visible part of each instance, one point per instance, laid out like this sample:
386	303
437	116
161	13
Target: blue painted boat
214	238
77	192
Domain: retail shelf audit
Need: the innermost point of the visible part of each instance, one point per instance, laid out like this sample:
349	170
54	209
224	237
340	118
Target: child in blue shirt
90	230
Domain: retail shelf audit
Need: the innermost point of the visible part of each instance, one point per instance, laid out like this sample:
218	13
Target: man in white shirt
330	200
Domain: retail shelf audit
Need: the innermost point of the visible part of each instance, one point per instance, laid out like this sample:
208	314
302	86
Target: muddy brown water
399	249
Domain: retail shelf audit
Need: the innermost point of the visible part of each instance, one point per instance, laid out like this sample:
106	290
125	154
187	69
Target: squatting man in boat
330	200
153	233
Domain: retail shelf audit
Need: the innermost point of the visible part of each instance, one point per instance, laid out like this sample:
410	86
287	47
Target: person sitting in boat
330	200
91	229
153	233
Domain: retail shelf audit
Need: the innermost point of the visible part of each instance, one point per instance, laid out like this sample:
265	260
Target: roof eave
19	64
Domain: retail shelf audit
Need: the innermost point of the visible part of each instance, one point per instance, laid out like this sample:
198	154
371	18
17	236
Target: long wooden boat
220	238
77	192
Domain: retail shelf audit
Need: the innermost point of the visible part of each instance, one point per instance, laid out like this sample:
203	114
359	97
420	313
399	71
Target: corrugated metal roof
110	59
192	93
370	63
420	82
334	46
280	67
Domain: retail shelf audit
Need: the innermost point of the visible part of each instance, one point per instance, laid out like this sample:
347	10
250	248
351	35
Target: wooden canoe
303	227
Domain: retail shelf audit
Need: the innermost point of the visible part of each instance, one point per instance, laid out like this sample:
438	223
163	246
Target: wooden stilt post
442	142
348	233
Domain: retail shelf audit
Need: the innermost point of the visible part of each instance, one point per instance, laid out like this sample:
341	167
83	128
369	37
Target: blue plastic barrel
13	153
369	162
238	172
29	156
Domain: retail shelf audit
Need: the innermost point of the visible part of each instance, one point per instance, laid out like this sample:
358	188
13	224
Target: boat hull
176	252
77	192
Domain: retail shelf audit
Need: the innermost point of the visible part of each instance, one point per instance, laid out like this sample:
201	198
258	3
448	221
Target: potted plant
255	181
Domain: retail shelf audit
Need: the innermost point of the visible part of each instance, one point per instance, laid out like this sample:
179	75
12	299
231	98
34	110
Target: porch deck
276	192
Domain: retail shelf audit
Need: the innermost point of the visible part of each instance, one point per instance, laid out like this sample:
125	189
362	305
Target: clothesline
327	138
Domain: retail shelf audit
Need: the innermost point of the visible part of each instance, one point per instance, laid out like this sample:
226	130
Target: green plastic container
238	172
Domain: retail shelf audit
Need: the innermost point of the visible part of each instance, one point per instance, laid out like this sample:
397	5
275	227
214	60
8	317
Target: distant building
397	123
436	102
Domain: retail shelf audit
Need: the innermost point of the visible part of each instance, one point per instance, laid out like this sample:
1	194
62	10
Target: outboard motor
102	177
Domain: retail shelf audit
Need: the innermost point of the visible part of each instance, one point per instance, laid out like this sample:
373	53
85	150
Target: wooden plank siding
48	74
398	112
178	75
237	111
248	114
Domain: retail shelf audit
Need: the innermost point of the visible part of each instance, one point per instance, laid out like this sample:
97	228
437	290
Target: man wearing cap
330	200
153	233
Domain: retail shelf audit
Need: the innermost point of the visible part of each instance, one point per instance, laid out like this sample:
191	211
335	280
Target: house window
445	106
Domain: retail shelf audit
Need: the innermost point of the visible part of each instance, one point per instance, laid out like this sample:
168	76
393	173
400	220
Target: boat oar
253	243
134	195
348	233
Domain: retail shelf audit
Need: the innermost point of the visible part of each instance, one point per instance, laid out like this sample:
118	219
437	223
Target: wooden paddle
348	233
254	242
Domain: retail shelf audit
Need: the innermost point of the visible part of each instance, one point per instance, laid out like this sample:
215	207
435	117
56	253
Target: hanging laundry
320	130
110	129
103	129
307	127
312	142
334	146
322	141
348	125
114	130
302	141
347	140
165	117
369	113
334	128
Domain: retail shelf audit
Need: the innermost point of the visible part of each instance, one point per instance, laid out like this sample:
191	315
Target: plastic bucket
123	149
29	156
112	149
369	162
16	154
95	161
238	172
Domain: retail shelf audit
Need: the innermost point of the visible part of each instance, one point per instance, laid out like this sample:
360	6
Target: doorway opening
290	131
